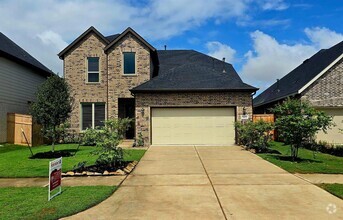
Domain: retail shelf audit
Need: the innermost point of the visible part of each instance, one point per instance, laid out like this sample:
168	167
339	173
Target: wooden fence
266	118
16	123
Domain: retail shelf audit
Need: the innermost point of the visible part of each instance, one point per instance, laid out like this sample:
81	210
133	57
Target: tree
52	106
297	123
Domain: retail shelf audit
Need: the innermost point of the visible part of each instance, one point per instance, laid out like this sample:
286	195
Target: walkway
213	183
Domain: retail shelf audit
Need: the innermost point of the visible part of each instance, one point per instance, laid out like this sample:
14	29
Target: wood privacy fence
18	122
266	118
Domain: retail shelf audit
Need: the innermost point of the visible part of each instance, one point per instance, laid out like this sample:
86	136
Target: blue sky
263	39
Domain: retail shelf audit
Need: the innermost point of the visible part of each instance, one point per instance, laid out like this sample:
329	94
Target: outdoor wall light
244	110
142	111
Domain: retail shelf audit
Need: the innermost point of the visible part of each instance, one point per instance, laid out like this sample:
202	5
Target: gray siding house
20	75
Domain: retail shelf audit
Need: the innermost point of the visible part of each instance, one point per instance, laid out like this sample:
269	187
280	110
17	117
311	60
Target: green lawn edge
335	189
31	202
15	162
310	162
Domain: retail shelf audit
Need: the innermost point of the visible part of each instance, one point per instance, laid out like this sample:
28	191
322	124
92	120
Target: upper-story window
93	69
129	63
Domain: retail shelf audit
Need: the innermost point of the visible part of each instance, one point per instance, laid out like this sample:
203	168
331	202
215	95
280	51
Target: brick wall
327	91
120	84
144	101
75	73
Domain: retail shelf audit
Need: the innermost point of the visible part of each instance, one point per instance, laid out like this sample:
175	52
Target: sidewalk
322	178
66	181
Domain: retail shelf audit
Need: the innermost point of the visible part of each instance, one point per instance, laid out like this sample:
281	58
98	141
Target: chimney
165	47
224	71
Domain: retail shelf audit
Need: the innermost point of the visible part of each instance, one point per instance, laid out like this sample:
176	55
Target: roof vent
277	85
224	71
305	61
165	47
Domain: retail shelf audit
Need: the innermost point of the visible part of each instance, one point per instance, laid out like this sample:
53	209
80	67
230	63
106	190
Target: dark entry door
127	110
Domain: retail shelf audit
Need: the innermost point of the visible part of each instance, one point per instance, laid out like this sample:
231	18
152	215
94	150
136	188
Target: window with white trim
92	115
93	69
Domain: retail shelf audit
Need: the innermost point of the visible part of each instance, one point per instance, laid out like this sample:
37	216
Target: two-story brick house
177	97
318	80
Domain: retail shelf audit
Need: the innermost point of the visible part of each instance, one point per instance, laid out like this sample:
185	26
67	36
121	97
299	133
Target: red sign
55	179
55	176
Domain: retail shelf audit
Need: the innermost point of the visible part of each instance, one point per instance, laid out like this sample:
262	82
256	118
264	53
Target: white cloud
43	26
264	23
323	37
273	5
52	38
270	60
219	50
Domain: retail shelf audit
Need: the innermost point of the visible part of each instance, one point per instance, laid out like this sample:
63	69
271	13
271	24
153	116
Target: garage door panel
193	126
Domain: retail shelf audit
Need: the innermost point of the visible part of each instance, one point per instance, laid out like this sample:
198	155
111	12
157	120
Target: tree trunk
53	139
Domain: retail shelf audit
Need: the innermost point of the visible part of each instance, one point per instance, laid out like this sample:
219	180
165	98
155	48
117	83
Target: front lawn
32	203
335	189
15	161
307	163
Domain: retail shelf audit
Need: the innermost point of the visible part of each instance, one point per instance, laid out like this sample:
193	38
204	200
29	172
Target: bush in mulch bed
55	154
81	167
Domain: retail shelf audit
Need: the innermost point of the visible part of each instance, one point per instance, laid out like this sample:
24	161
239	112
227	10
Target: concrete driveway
190	182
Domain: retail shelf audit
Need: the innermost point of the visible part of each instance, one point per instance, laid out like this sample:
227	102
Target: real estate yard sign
55	176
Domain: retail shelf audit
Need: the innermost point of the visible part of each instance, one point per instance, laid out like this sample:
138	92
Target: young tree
106	140
298	122
52	106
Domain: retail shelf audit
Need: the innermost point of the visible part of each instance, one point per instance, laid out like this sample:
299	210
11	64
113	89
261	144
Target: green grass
307	163
335	189
15	160
31	202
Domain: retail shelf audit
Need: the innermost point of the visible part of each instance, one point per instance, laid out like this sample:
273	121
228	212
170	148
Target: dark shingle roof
295	80
11	50
112	37
189	70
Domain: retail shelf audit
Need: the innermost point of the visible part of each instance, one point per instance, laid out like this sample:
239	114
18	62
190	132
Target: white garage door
193	126
333	135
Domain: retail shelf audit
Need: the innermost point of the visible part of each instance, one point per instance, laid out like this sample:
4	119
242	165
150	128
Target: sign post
55	176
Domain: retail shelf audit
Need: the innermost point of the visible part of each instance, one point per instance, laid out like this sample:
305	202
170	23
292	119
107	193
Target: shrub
106	140
254	135
139	142
324	147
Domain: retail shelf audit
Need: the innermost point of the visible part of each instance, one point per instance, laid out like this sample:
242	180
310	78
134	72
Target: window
129	63
93	69
93	115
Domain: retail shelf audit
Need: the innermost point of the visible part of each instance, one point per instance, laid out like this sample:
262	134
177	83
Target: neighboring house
318	80
177	97
20	75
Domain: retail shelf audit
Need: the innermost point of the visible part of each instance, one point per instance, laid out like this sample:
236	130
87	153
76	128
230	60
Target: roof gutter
194	90
277	99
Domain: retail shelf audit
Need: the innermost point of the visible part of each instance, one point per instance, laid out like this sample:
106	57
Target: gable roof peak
89	30
126	31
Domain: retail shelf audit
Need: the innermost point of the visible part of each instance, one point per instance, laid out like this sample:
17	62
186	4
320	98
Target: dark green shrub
324	147
254	135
